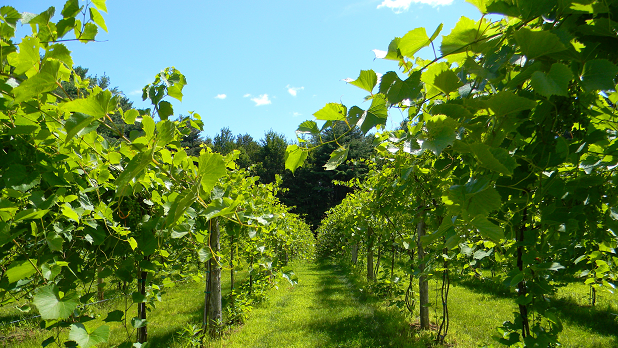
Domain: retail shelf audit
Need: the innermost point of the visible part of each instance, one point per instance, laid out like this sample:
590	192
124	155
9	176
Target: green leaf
60	52
496	159
132	243
204	254
366	80
505	103
295	156
67	211
413	41
211	166
397	90
485	202
165	110
30	214
440	133
517	278
97	105
336	158
442	78
54	241
96	17
308	127
488	229
114	316
137	323
79	124
554	83
149	126
466	35
86	339
89	33
376	115
332	112
599	74
535	44
481	254
20	178
71	9
100	4
132	170
19	270
38	84
51	306
28	56
130	116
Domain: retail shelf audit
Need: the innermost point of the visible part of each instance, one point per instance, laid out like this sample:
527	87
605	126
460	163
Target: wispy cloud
296	114
221	96
400	6
136	92
294	90
246	95
261	100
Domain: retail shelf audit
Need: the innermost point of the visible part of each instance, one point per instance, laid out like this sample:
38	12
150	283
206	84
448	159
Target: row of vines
80	215
505	159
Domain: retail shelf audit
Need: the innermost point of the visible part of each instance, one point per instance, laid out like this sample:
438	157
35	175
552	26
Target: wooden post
423	285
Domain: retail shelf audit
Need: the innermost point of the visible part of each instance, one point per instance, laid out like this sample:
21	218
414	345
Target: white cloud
136	92
261	100
294	90
400	6
246	95
380	54
296	114
221	96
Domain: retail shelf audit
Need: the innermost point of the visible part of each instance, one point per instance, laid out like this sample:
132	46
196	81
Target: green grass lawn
330	308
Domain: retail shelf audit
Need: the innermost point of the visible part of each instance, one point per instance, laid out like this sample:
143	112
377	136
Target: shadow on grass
378	328
602	320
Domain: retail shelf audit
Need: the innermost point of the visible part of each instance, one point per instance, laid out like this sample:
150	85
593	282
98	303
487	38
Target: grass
323	310
181	305
329	307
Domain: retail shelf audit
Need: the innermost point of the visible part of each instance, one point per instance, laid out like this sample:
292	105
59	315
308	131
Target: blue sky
253	65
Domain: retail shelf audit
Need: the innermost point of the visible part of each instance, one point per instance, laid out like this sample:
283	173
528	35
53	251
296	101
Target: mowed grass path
322	310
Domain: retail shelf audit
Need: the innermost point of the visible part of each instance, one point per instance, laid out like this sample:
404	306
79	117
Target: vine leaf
95	105
439	76
71	9
87	339
52	306
331	112
79	124
487	229
505	103
440	133
132	170
27	57
336	158
554	83
211	167
96	17
308	127
366	80
535	44
413	41
464	36
397	90
493	158
295	156
599	74
19	270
